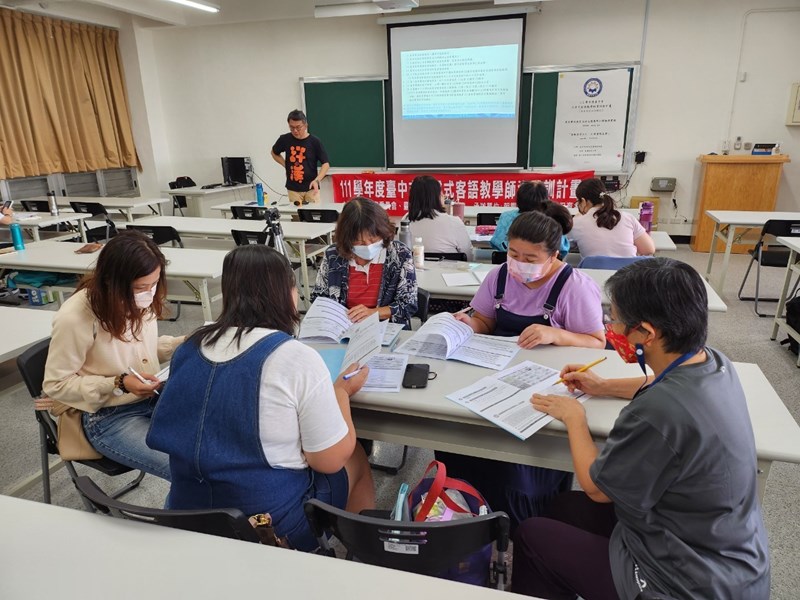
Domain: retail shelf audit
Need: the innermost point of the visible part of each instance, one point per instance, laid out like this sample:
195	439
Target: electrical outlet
676	220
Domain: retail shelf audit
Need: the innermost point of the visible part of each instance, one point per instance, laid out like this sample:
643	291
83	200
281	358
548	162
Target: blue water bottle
260	194
16	236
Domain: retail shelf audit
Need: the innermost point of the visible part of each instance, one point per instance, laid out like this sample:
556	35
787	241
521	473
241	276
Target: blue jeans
119	433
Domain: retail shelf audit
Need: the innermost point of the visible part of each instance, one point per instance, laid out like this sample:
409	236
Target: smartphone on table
416	376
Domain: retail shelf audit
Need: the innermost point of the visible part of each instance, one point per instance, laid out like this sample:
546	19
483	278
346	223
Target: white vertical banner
590	120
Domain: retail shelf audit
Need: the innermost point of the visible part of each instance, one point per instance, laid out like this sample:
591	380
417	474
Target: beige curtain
63	103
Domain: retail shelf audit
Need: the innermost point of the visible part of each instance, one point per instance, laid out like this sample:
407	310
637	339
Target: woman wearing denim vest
250	418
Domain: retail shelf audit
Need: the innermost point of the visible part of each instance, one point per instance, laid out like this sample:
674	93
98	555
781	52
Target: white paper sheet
325	321
504	398
443	337
365	341
385	373
460	279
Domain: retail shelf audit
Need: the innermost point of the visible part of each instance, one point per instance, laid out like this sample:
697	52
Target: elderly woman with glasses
669	507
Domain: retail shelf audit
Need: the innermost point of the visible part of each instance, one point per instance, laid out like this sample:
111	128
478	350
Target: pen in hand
584	368
351	375
140	378
462	311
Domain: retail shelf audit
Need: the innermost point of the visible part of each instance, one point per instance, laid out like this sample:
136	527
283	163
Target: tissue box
485	229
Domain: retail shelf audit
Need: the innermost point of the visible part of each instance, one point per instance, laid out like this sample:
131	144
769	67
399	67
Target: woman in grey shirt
670	506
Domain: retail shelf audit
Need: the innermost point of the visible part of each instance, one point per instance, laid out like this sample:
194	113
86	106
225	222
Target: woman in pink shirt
601	230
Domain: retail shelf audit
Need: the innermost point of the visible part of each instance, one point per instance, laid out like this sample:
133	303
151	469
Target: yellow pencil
584	368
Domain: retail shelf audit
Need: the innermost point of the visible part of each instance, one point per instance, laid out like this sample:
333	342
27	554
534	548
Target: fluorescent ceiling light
376	7
198	5
503	2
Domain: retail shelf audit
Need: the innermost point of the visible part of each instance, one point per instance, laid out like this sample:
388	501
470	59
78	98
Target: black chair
35	205
96	234
31	365
446	256
162	234
250	213
766	254
317	215
488	218
609	262
498	258
438	545
423	303
179	202
243	238
223	522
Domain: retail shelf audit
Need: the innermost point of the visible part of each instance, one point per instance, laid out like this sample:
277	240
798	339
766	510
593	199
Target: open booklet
327	321
504	398
444	337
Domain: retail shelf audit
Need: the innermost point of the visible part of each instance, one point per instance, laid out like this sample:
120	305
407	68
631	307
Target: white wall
226	90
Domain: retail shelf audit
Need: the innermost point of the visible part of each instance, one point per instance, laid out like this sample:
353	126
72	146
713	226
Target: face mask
368	252
630	353
527	272
145	299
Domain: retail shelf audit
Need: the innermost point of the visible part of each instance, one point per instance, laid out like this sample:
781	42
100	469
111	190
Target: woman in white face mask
543	301
101	334
366	270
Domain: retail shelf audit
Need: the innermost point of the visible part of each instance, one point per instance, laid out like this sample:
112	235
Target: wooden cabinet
734	182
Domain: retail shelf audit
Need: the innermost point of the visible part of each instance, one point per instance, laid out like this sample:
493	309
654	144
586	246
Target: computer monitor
236	170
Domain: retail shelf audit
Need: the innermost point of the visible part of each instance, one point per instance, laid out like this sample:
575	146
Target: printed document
385	370
327	321
464	278
365	341
505	398
444	337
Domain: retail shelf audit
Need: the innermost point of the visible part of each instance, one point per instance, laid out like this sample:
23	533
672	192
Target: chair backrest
31	364
243	238
91	208
35	205
446	256
488	218
608	262
423	303
439	545
781	228
160	234
223	522
498	257
317	215
180	182
251	213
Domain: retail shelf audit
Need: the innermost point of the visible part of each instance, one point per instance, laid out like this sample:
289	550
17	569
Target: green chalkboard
348	117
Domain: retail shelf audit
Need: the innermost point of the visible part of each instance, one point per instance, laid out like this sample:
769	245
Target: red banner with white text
390	190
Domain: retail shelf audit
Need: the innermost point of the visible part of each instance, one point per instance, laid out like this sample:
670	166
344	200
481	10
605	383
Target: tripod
274	231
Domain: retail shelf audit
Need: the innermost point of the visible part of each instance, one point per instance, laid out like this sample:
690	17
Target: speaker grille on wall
237	169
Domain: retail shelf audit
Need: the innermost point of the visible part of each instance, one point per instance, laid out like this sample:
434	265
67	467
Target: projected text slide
460	83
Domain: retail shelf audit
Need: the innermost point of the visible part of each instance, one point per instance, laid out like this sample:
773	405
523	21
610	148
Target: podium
734	182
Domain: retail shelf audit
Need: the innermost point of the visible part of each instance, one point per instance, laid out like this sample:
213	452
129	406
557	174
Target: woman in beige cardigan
106	330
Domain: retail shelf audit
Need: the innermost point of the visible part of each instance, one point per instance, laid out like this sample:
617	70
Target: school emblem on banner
593	87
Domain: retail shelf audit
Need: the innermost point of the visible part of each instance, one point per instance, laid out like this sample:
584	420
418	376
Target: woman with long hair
250	418
439	231
108	327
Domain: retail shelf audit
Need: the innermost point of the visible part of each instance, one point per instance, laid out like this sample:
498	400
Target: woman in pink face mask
108	327
669	505
536	296
543	301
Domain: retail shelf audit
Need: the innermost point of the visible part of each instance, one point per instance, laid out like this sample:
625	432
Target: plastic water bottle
16	236
646	215
418	250
458	210
405	233
51	201
260	194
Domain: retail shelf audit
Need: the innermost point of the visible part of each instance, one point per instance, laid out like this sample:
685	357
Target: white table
471	212
661	239
22	328
431	279
195	267
124	205
296	233
425	418
288	211
793	267
182	564
726	222
198	200
34	222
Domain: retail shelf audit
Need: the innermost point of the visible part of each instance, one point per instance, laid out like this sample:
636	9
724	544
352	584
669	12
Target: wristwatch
119	384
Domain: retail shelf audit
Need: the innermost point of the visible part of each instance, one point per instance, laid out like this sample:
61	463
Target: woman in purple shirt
543	301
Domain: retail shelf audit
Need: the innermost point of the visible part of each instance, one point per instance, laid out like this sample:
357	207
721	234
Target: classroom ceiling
165	13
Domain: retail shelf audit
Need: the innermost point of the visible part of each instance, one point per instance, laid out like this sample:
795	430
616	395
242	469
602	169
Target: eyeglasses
297	127
609	320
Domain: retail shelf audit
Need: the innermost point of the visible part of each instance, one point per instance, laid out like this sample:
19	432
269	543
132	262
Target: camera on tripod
273	230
